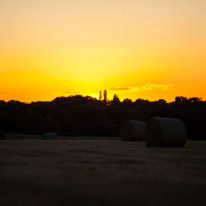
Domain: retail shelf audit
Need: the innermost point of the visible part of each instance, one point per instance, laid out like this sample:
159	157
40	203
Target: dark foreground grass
101	172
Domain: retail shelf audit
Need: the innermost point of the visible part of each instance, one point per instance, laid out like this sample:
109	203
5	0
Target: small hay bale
132	130
2	135
165	132
50	135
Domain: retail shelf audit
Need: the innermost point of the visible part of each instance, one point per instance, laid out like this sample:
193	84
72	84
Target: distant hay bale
132	130
165	132
50	135
2	135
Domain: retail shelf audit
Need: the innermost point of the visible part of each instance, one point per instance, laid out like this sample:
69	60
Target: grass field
106	171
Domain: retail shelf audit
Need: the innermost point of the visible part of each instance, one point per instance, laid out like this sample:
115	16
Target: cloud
71	92
152	87
139	88
119	88
146	87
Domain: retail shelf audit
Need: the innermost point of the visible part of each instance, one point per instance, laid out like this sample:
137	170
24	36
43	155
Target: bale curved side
50	135
2	135
165	132
132	130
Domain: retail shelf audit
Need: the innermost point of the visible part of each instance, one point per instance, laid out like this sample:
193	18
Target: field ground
93	171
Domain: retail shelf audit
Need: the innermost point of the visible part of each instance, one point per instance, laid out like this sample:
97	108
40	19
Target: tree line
78	115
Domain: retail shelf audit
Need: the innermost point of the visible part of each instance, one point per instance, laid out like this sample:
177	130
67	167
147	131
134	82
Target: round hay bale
2	135
132	130
165	132
50	135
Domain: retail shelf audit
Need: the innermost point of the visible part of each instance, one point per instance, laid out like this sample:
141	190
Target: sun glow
155	49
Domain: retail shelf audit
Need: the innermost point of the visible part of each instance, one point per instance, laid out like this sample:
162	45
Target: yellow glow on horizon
59	48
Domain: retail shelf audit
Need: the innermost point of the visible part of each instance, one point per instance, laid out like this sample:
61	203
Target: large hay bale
132	130
165	132
50	135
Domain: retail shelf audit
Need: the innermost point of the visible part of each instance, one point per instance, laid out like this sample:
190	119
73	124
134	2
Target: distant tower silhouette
100	96
105	95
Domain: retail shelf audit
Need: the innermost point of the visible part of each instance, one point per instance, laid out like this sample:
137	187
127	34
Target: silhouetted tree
180	99
115	100
100	96
75	115
105	96
162	101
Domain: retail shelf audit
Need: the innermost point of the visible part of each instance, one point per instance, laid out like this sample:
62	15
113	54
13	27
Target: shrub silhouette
75	115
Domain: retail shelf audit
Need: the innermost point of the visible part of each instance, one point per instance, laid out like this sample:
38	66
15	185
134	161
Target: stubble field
100	171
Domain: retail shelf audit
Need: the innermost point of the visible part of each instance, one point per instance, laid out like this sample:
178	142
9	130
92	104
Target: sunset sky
147	49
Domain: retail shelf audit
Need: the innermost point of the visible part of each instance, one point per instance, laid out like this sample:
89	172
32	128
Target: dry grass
100	172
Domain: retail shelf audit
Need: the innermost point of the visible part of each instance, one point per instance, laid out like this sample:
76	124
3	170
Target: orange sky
147	49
